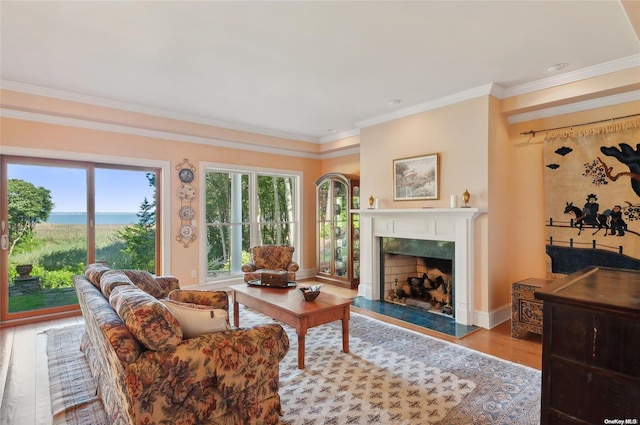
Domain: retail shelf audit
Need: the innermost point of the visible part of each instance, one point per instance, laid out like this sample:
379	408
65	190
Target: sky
116	190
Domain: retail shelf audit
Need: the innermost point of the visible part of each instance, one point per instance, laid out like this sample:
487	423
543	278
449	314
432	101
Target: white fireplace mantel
438	224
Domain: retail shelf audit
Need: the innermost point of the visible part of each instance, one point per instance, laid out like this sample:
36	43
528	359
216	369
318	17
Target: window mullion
254	225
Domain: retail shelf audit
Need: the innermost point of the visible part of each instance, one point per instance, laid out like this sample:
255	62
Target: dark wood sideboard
591	348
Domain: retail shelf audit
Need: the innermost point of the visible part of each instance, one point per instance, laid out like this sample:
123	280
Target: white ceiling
297	69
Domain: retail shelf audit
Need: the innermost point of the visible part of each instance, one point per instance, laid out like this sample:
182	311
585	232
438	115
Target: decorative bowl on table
310	293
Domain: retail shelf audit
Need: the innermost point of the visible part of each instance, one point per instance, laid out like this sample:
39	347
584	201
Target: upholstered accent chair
270	257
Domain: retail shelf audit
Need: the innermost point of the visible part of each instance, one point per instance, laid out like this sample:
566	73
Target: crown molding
339	153
341	135
115	128
125	106
586	105
492	89
485	90
573	76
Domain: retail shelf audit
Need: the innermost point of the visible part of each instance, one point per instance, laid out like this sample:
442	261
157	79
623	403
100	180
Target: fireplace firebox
418	273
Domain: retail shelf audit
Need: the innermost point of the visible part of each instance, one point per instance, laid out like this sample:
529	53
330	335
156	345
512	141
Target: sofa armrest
249	267
167	283
293	267
231	361
216	299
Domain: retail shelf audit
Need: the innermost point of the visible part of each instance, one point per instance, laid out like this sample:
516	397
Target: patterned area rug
391	375
73	393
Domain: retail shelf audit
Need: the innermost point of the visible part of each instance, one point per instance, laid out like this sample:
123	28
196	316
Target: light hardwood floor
24	379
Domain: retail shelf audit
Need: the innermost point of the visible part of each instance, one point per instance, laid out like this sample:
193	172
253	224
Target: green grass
64	246
26	302
41	300
58	251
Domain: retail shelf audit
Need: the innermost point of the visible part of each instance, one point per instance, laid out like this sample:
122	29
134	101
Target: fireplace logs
426	292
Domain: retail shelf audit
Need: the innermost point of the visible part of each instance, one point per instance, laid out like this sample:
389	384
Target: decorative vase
465	197
454	201
371	201
24	270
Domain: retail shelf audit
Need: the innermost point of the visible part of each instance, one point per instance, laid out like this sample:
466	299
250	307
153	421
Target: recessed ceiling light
556	67
394	102
331	130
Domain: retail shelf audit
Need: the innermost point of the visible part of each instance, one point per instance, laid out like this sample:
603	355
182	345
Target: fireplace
450	225
418	273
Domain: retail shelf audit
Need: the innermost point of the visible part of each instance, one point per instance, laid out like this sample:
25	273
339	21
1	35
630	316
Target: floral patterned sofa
270	257
148	372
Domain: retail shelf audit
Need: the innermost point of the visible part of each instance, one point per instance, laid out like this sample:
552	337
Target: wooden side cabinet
591	348
526	311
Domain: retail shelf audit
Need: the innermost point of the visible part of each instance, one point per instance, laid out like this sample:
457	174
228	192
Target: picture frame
416	178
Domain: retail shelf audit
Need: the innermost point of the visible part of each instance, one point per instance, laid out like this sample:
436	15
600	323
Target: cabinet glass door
341	228
338	228
324	229
355	234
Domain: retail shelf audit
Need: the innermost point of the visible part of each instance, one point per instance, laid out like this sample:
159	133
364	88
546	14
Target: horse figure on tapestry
602	220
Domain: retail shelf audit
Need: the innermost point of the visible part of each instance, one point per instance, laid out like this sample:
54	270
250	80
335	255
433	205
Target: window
247	208
61	215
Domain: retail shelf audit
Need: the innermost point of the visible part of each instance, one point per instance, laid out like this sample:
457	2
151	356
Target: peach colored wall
459	133
348	164
79	142
503	179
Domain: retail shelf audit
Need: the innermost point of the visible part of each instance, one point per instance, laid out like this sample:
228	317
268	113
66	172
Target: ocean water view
101	218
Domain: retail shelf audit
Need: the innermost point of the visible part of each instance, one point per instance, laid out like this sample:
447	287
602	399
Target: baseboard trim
489	320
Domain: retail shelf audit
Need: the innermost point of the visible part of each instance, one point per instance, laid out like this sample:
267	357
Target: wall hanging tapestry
592	197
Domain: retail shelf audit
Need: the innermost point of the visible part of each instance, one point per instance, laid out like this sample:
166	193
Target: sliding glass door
58	216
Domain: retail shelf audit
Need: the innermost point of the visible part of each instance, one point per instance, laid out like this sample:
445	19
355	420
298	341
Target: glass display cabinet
338	229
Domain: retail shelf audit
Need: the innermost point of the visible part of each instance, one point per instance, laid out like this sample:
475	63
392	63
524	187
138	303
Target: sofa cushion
93	273
153	325
198	319
145	281
112	278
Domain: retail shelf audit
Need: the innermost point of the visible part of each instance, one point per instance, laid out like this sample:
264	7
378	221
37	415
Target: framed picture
416	178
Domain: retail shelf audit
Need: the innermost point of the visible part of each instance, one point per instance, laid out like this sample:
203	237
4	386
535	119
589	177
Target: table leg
345	334
236	312
301	351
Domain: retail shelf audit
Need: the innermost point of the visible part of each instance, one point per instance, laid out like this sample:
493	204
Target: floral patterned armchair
270	257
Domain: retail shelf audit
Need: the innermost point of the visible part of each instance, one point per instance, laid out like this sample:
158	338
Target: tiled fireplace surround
433	224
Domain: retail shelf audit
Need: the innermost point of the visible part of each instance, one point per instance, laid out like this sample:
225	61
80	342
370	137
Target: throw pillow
145	281
153	324
197	319
112	278
93	273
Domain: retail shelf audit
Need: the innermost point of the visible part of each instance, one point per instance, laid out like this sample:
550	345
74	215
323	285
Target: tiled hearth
415	316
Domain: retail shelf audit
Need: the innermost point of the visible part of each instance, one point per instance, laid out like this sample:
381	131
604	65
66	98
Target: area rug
73	392
391	376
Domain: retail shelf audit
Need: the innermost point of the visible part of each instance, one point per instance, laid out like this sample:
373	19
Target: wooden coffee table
288	306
